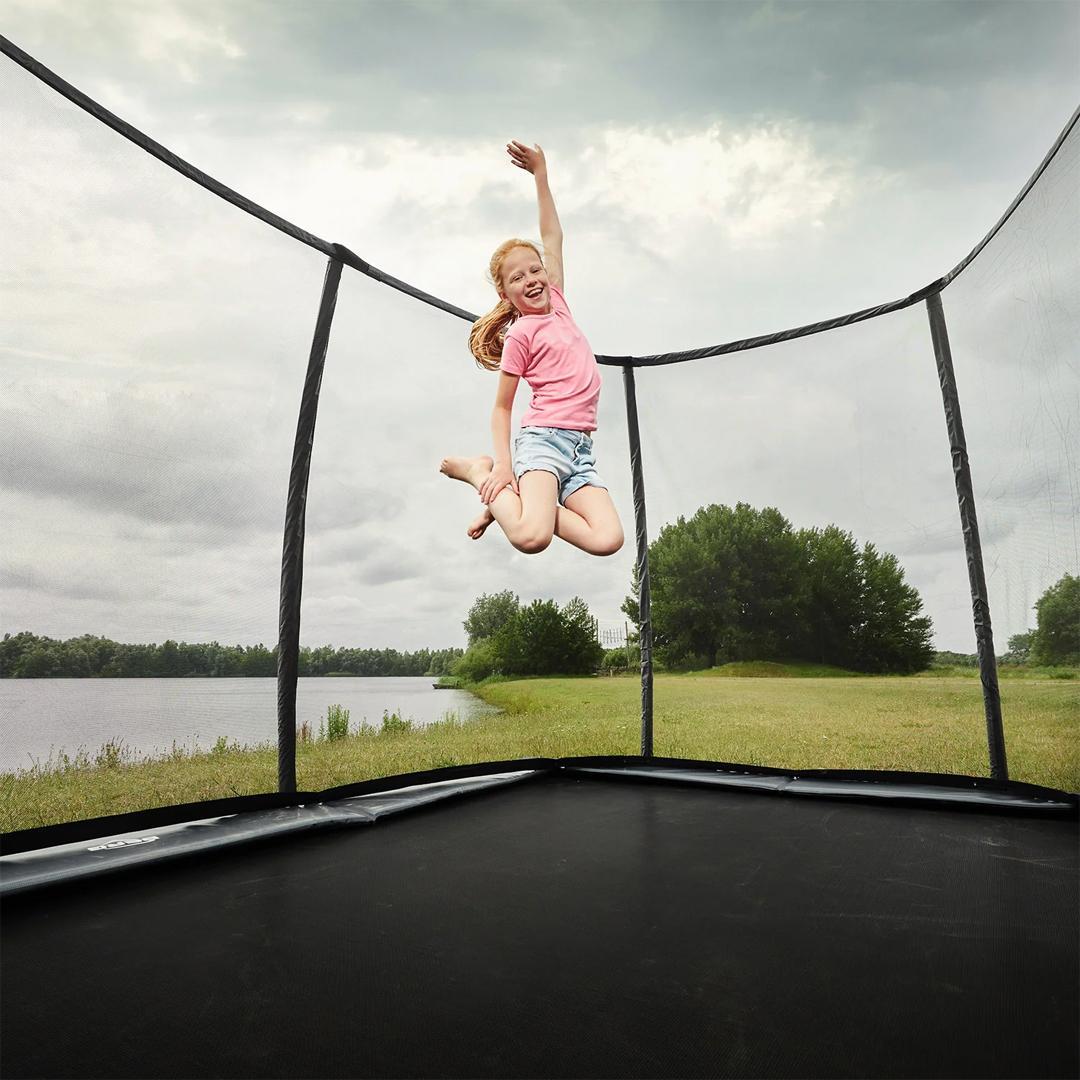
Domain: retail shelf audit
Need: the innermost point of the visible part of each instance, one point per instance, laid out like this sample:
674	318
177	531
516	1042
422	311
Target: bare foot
478	527
470	469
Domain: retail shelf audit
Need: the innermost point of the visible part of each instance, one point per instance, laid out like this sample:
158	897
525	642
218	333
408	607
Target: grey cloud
22	579
347	546
390	67
149	476
364	506
210	476
387	569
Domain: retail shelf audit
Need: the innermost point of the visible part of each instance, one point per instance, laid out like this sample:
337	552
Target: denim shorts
567	454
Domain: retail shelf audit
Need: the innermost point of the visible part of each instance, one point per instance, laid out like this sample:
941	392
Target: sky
720	170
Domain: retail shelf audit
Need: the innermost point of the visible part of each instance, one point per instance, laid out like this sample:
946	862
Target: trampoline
588	918
607	916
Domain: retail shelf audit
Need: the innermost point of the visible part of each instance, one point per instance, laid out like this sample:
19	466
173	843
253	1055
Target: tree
738	584
533	641
13	648
41	660
1056	638
893	636
478	662
583	653
537	639
1019	648
489	614
773	571
725	586
168	660
831	607
443	660
691	596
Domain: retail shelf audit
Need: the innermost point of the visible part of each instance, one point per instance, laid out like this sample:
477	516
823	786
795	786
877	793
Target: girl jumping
550	485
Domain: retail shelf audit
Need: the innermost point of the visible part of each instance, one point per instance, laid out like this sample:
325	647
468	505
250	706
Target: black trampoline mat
569	928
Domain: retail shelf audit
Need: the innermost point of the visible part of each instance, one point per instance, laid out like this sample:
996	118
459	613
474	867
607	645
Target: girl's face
525	282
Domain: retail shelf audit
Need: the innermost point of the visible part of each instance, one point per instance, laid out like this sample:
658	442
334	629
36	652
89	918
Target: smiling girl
549	486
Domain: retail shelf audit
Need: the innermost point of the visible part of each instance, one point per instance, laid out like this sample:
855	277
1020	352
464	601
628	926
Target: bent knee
610	545
533	543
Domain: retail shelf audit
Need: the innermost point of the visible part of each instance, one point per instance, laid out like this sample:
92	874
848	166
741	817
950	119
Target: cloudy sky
720	170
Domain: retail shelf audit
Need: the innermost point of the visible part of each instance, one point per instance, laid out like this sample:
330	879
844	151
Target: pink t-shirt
557	363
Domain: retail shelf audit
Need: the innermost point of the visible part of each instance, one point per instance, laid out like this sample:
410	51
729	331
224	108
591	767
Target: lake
40	718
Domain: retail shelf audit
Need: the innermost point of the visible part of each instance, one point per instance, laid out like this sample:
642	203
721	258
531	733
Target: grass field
797	719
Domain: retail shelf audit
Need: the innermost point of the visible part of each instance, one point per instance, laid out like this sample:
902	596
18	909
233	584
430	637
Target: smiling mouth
534	295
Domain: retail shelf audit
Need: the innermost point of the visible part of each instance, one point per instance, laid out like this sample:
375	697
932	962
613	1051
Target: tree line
27	656
727	584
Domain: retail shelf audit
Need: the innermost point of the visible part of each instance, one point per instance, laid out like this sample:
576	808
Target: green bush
619	660
111	755
337	722
393	723
478	662
542	639
673	658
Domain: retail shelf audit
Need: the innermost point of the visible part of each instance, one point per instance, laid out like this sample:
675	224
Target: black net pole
642	532
292	556
980	603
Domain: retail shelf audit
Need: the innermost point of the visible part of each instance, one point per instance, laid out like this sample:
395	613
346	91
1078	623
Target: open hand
532	160
500	476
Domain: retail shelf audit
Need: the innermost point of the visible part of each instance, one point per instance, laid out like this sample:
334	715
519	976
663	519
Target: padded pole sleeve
980	601
642	532
292	556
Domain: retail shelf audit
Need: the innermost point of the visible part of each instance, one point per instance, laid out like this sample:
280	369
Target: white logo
113	844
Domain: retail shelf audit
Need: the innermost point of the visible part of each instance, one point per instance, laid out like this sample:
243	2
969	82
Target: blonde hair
489	331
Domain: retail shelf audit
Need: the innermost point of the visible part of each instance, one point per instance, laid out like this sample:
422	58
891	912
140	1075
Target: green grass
768	669
788	719
800	669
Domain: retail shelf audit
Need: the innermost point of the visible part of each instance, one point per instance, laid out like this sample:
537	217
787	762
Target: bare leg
592	506
528	519
599	534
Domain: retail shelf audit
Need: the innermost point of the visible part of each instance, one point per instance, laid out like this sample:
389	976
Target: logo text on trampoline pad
112	845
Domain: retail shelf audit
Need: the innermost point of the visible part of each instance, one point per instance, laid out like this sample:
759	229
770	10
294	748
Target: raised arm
532	160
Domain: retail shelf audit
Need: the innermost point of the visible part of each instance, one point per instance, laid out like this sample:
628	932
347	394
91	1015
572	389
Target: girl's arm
502	472
533	160
500	416
551	234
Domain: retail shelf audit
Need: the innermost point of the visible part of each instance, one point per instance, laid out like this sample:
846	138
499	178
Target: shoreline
902	723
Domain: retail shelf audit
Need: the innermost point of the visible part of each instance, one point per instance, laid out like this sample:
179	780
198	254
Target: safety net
233	565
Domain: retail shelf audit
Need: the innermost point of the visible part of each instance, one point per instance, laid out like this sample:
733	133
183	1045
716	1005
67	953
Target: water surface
43	718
